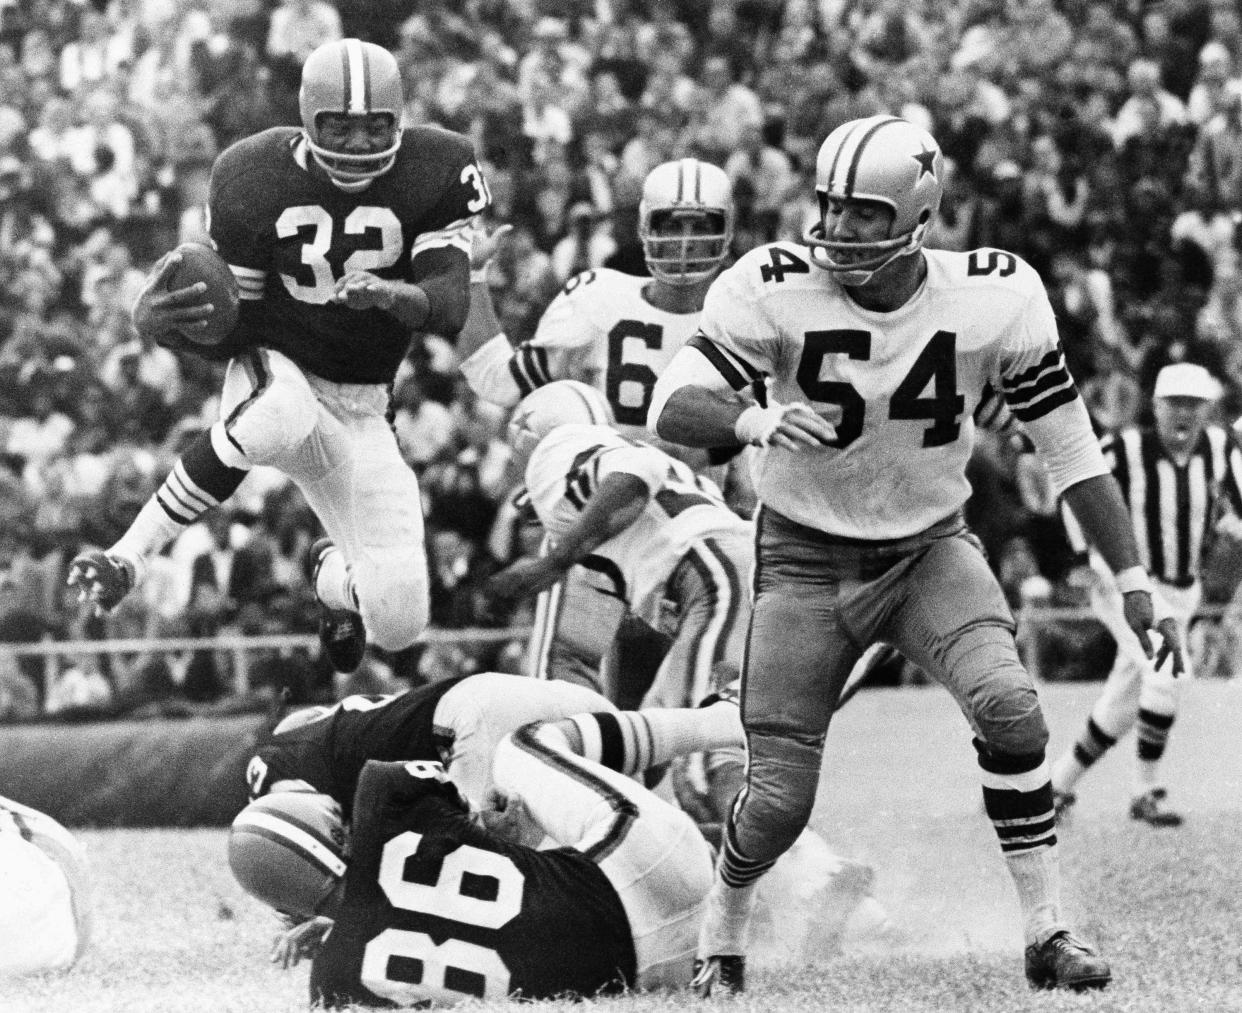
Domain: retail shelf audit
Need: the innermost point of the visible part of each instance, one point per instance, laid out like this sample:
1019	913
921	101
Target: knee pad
775	806
273	410
1004	707
394	600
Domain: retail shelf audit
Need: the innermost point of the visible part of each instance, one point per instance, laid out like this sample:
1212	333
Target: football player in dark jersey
428	903
344	236
458	721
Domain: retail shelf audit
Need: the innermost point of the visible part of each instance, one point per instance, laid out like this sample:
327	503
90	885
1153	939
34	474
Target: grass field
174	933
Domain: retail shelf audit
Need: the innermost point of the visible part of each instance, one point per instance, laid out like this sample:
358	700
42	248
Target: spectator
586	245
724	109
1143	80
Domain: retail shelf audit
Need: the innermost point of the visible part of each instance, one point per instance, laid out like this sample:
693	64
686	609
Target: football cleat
1149	808
1062	803
341	631
725	973
101	579
1062	961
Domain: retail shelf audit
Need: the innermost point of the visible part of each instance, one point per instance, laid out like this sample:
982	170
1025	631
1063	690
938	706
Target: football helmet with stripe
884	159
352	78
560	403
289	850
685	221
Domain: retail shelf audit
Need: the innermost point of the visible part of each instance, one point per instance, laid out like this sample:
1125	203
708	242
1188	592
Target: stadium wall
164	773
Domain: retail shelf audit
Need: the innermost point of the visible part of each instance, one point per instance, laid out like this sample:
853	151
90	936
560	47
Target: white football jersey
602	331
902	386
567	468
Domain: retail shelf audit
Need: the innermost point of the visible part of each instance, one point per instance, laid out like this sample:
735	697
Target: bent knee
395	610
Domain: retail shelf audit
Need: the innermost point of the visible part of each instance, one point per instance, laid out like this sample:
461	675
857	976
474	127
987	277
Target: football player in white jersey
652	537
45	906
870	355
615	332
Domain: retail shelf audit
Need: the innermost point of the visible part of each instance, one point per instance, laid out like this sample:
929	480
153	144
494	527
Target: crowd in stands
1099	139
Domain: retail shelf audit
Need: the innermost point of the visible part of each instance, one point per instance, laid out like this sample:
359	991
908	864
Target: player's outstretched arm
616	505
1100	510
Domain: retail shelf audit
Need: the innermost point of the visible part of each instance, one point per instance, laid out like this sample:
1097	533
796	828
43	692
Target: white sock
334	585
1066	771
146	536
725	929
1036	874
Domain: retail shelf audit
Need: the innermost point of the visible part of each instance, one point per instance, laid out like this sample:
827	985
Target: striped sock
633	741
1093	743
1153	736
1017	795
197	482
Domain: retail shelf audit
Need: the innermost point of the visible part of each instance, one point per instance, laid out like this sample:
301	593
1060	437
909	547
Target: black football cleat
726	974
1063	961
1149	808
102	580
341	631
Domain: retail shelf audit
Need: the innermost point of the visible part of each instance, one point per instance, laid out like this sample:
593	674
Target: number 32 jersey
900	386
436	909
289	235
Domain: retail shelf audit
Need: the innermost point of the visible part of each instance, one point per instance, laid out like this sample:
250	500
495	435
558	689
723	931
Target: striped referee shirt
1174	507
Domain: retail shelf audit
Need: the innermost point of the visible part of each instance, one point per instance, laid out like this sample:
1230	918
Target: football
200	262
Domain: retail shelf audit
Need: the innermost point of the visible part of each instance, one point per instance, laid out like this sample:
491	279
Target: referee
1182	481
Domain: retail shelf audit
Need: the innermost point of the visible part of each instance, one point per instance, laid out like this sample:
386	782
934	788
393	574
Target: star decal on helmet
927	163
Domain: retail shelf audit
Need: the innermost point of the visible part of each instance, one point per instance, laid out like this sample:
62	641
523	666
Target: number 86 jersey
438	911
900	386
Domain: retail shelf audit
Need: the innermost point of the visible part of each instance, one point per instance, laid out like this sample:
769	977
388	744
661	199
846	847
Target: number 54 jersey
900	386
437	910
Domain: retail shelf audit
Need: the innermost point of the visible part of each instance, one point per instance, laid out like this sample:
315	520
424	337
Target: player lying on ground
45	902
431	903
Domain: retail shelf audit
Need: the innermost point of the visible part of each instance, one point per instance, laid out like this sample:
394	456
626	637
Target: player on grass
1182	480
345	236
614	332
429	903
869	356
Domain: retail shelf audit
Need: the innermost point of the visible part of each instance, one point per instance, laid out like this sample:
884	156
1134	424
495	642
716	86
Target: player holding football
345	237
614	332
432	904
869	355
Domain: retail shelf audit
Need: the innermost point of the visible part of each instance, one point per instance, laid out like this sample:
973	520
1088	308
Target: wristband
750	425
1133	578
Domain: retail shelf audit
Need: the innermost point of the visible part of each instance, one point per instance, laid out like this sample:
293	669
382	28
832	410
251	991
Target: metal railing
241	648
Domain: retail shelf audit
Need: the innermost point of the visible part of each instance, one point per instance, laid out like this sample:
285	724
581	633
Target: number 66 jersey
900	386
438	910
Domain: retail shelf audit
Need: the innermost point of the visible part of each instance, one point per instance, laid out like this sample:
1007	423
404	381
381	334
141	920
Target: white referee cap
1185	379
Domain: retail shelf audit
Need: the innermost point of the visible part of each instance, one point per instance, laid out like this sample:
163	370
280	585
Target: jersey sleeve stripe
1041	407
1052	360
529	368
456	235
250	282
736	371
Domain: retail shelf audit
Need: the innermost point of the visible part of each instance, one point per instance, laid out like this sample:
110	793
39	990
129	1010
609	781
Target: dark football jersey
270	213
438	909
330	752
